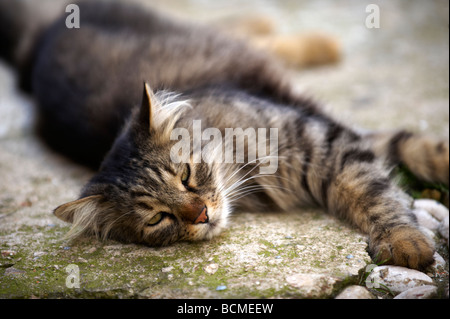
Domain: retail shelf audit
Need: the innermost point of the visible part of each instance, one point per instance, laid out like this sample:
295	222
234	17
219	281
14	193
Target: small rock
211	268
11	271
8	253
439	261
443	228
39	253
421	292
288	237
167	269
349	256
398	279
91	250
428	232
436	209
82	260
355	292
312	285
221	287
425	219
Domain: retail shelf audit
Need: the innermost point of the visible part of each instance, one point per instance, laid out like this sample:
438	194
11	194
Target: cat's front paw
402	246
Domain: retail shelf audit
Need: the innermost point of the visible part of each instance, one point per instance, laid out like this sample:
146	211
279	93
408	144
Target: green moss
112	270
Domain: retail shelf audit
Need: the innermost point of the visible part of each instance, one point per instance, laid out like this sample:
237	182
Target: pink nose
195	213
203	217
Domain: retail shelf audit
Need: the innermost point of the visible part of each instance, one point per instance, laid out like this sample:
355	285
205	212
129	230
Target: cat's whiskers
248	163
242	180
253	189
234	186
245	194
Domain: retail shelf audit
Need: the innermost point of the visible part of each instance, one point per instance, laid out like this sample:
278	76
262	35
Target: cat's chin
206	231
214	227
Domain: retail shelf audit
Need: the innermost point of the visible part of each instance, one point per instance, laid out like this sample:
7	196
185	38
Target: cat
111	93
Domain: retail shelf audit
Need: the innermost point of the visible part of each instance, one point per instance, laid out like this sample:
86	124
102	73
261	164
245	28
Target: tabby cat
113	91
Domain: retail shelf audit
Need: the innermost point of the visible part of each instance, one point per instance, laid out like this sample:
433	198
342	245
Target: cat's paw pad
403	246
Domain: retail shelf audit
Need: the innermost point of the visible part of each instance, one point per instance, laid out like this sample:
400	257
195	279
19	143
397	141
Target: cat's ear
147	107
79	208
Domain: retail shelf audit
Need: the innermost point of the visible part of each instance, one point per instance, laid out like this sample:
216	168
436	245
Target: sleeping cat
114	91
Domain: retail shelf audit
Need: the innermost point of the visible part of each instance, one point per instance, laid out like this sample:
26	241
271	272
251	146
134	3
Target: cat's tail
21	22
427	158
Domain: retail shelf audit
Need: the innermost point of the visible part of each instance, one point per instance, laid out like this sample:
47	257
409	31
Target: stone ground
391	77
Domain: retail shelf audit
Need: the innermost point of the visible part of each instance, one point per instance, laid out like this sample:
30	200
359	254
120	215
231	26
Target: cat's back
87	79
122	45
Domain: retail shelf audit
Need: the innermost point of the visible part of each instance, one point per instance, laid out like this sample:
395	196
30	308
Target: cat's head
140	195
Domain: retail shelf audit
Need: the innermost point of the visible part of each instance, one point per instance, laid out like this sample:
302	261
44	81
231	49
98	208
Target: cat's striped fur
88	83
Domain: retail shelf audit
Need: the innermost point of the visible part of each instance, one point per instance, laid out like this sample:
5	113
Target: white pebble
355	292
425	219
398	279
167	269
312	285
421	292
39	254
211	268
443	228
436	209
439	261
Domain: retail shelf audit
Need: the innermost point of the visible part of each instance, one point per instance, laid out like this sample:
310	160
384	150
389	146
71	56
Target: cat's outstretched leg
301	49
358	188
